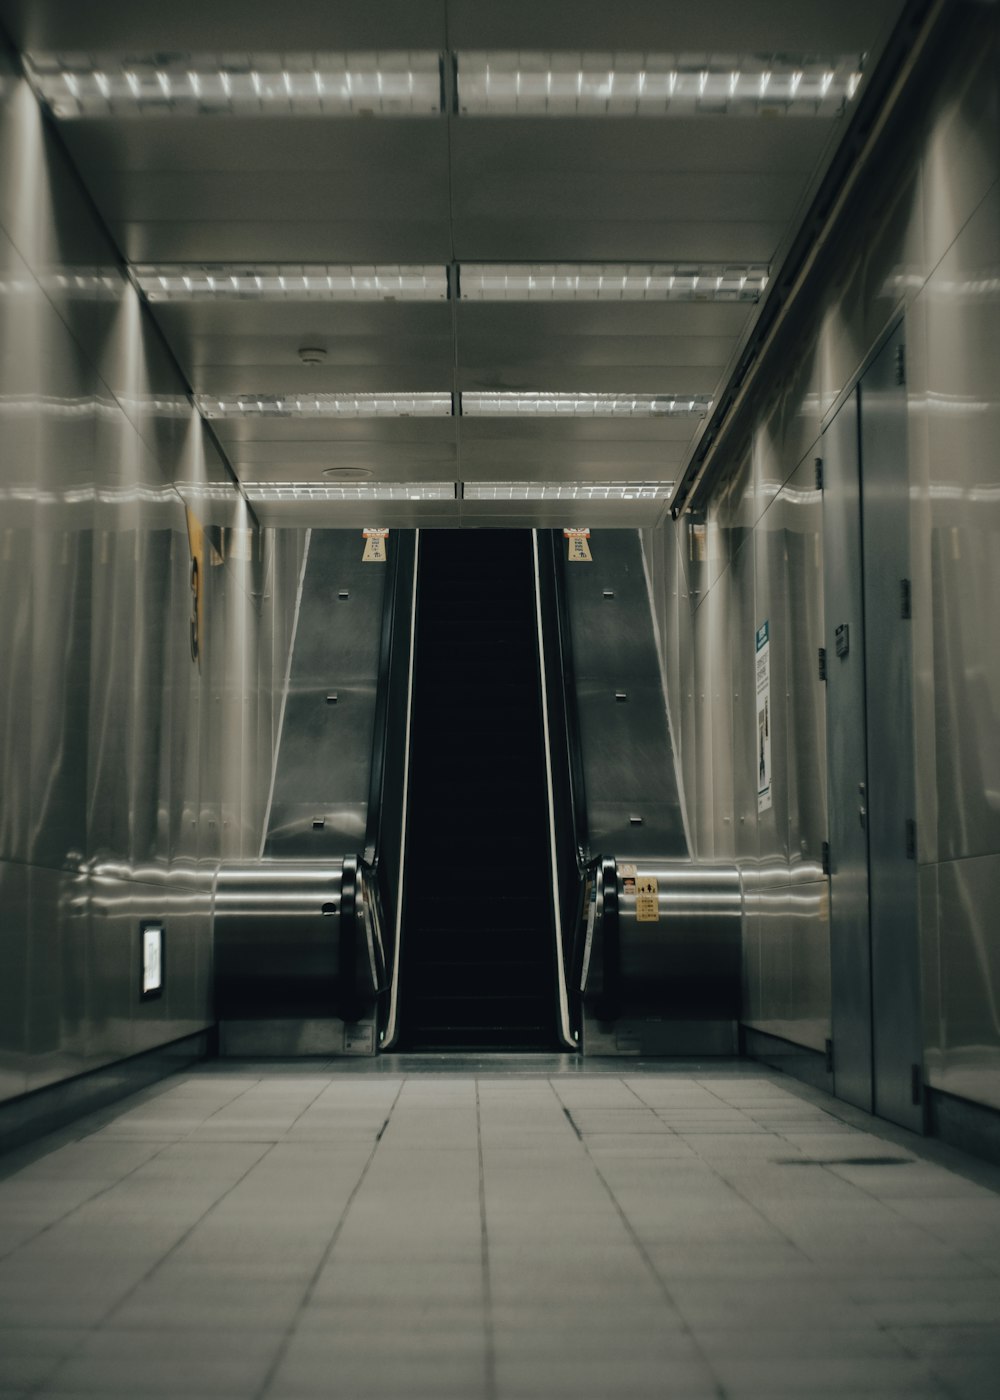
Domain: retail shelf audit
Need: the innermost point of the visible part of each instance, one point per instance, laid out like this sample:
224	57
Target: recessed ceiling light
364	491
421	405
611	282
387	84
564	84
290	282
567	490
538	405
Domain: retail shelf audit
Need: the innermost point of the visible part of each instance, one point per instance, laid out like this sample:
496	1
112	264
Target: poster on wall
763	716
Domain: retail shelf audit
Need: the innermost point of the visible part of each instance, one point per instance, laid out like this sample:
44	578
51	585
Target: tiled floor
423	1231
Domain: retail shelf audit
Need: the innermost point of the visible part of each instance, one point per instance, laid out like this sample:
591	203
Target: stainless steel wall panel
743	626
844	641
121	757
628	758
793	411
924	239
930	972
326	745
895	962
706	679
771	592
56	982
14	939
963	425
959	157
787	984
801	507
969	895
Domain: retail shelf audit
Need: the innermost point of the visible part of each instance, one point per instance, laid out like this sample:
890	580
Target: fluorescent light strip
611	282
387	84
290	282
538	405
364	491
421	405
567	490
563	84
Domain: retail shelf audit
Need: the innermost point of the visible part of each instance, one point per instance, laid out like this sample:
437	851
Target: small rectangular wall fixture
611	282
566	84
422	405
151	953
272	491
387	83
567	490
289	282
531	404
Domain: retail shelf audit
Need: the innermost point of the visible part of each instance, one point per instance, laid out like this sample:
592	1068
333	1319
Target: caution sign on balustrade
579	549
647	900
375	546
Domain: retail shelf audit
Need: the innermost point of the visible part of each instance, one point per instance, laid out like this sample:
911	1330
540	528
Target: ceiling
447	189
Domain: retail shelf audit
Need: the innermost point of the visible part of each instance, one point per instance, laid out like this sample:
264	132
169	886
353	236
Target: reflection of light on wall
80	495
983	492
960	404
51	406
986	285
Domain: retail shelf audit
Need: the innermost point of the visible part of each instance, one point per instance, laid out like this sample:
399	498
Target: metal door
895	973
847	760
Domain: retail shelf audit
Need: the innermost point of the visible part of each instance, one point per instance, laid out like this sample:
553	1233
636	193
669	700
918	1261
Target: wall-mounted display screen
151	948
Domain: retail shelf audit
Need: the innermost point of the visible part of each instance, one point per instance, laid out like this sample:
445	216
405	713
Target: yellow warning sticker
647	900
579	550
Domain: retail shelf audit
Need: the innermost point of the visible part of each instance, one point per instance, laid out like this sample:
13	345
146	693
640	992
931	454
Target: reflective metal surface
849	800
277	934
128	768
895	962
686	962
923	239
628	759
319	808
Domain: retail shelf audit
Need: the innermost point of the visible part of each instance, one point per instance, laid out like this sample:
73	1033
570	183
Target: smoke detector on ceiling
312	355
348	473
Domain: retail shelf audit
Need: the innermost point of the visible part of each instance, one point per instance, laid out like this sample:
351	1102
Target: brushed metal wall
127	769
632	798
927	248
319	808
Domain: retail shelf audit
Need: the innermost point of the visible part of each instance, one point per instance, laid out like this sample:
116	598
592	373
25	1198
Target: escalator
478	961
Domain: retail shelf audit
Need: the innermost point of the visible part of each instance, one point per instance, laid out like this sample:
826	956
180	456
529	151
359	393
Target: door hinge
825	857
900	364
905	599
829	1055
916	1085
821	659
911	839
818	464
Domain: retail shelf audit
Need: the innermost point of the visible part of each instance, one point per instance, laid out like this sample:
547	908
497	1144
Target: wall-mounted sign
647	900
375	546
579	549
763	653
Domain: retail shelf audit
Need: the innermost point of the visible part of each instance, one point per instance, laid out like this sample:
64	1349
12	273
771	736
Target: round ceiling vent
312	355
347	473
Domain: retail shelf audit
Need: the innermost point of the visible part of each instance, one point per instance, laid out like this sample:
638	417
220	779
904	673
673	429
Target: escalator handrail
570	726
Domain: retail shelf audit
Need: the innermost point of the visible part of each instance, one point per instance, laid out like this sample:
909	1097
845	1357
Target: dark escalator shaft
478	957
